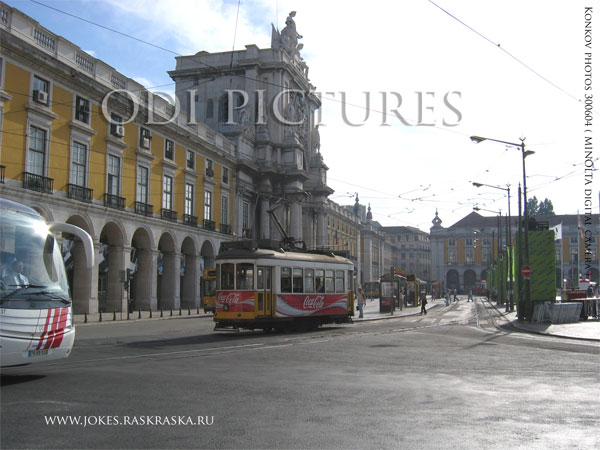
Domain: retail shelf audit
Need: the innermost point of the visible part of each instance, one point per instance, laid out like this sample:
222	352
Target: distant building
408	249
462	253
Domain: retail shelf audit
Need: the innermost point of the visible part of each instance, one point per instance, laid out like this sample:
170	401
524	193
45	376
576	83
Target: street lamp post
524	154
510	305
498	257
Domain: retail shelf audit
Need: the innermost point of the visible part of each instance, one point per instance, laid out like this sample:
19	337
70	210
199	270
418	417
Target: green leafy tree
538	208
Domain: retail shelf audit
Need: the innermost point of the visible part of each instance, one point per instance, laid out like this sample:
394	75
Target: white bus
36	312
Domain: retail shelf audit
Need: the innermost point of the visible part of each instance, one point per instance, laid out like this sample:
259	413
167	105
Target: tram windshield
32	273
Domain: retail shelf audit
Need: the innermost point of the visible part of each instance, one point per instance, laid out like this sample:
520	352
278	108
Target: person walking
455	297
448	297
361	303
423	303
470	297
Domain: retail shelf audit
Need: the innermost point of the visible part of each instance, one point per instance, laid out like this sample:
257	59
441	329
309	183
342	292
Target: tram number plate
33	353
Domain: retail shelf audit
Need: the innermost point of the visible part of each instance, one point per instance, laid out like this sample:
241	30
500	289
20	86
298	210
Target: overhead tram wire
497	45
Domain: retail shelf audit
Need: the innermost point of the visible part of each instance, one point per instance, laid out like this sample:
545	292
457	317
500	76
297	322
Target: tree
538	208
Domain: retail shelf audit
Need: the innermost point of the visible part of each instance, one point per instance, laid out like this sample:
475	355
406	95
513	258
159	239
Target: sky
503	70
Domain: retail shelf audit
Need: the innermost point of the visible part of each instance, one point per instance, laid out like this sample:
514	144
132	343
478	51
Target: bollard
197	310
151	313
127	314
85	319
189	311
161	312
100	318
114	315
171	313
139	313
180	310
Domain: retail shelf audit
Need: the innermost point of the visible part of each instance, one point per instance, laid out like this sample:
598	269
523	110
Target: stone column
265	219
169	283
146	279
115	298
190	286
321	229
296	220
85	281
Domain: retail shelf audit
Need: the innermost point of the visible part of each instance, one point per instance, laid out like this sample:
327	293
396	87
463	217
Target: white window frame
208	205
80	101
45	156
168	183
189	199
109	174
224	210
169	142
140	170
75	144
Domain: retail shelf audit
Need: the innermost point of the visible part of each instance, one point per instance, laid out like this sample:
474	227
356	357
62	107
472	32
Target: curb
515	324
80	323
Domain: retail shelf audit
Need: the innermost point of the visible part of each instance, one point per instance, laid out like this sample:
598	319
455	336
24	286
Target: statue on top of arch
288	38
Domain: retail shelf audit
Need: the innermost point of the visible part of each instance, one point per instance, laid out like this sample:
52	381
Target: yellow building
85	144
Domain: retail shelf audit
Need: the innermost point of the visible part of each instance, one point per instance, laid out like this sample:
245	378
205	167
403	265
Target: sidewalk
371	310
80	319
588	330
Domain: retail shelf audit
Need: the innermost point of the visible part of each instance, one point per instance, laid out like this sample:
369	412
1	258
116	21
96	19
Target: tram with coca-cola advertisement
262	286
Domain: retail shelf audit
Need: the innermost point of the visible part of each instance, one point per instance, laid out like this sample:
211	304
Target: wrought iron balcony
225	228
79	193
114	201
168	214
209	224
190	220
2	170
144	209
38	183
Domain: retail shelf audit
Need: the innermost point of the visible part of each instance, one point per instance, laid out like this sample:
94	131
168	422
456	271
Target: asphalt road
448	380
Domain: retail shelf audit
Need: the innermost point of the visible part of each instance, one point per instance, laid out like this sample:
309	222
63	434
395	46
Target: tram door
264	300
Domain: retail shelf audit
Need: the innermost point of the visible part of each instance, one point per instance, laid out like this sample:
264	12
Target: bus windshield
31	264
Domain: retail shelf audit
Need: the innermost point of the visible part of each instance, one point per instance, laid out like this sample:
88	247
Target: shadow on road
7	380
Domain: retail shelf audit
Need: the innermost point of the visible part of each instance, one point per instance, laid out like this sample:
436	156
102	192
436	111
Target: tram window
245	277
329	287
227	276
263	278
339	281
286	279
309	280
319	280
297	281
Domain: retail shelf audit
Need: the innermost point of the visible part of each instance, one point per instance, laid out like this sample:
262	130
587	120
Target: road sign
526	272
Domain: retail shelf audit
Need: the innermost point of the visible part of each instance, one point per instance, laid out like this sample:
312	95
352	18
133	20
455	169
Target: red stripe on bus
54	327
64	315
42	336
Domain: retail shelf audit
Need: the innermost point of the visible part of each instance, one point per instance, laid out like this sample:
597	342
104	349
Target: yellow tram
209	289
262	286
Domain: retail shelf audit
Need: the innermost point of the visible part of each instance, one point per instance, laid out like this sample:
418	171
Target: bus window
309	280
319	280
245	277
329	286
339	281
226	276
297	281
286	279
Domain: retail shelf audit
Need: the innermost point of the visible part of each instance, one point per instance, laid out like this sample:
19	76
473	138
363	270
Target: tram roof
267	249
